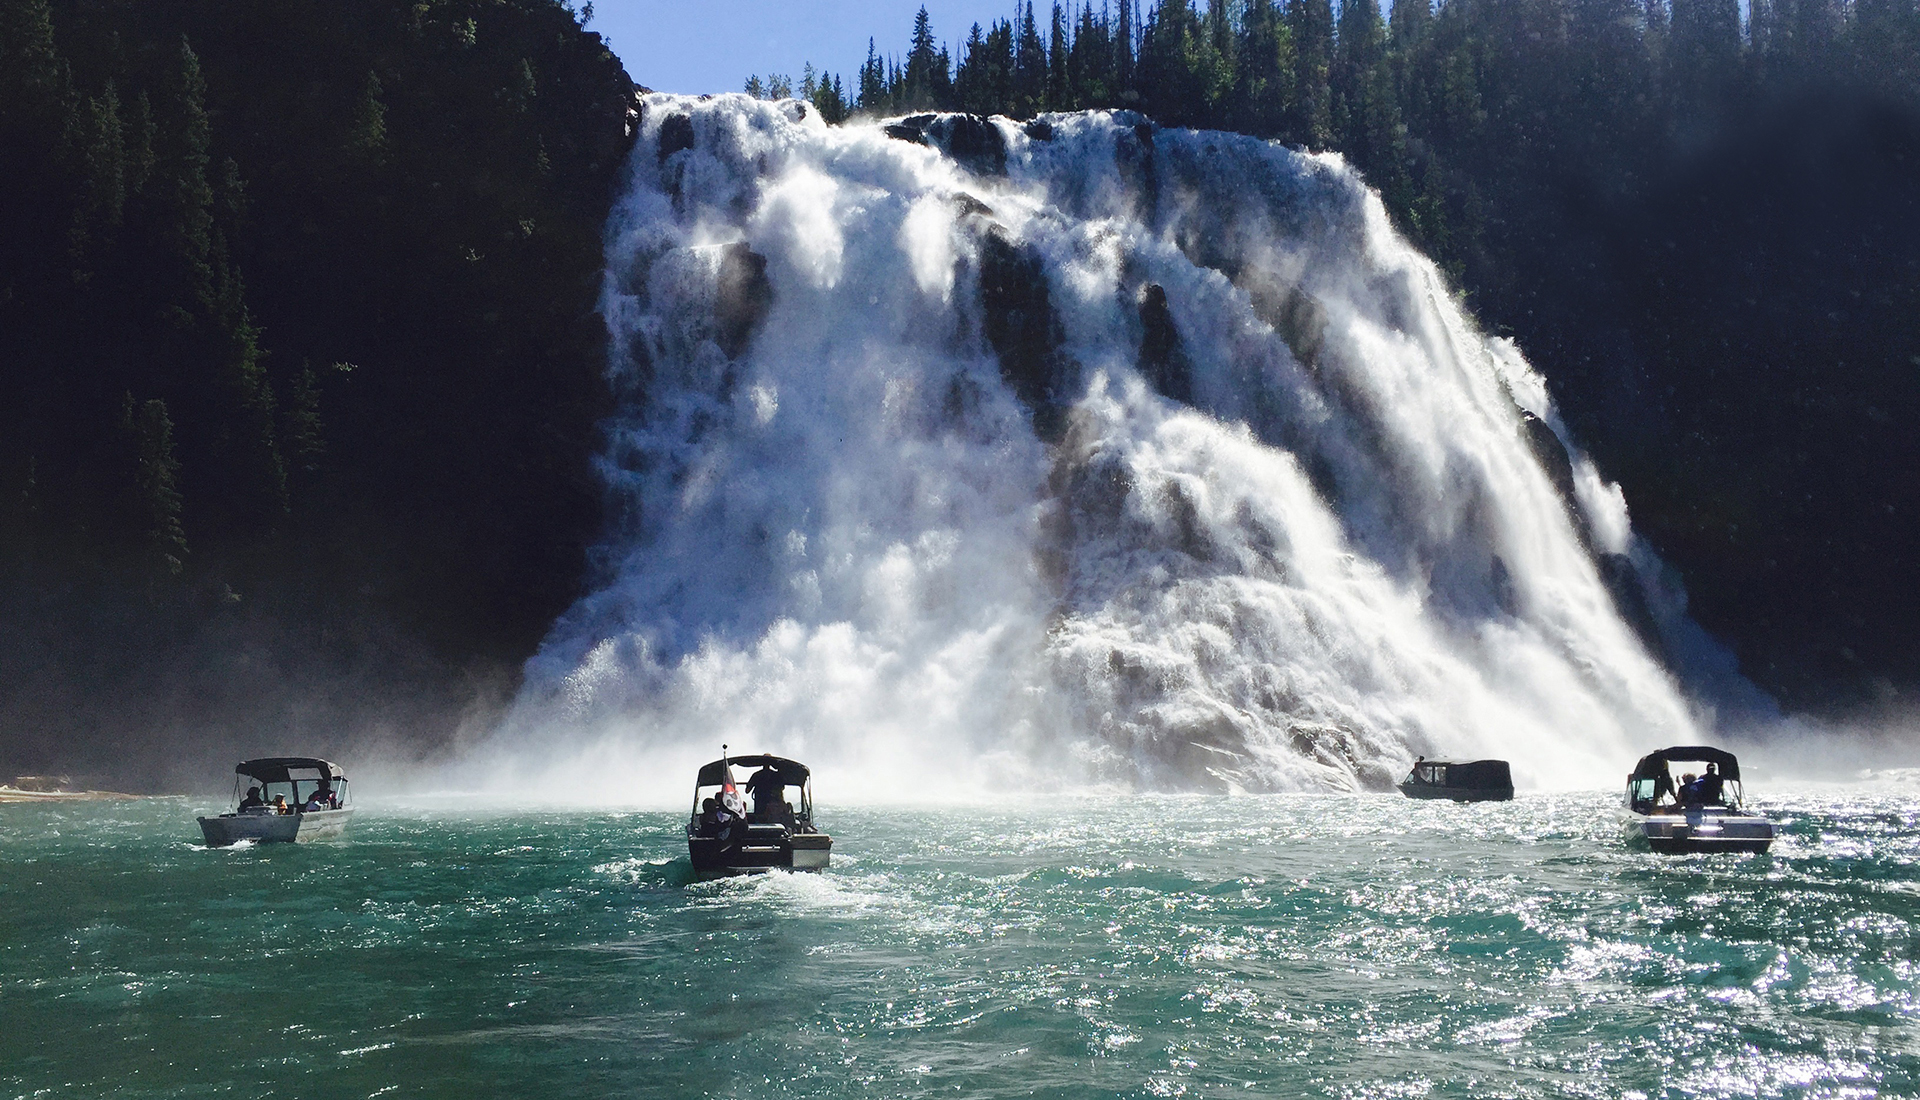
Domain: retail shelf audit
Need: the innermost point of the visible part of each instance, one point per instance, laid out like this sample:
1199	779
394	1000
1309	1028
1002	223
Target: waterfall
952	452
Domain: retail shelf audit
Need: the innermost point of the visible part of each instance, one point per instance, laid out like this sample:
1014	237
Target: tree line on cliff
1701	219
299	361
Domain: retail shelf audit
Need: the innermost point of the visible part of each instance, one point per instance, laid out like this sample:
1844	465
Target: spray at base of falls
1083	451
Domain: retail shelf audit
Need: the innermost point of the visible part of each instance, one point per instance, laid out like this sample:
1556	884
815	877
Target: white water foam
916	507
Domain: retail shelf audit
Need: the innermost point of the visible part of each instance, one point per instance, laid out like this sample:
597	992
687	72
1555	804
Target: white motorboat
1704	812
290	798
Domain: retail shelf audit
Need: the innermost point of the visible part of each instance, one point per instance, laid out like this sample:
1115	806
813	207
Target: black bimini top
274	769
791	772
1471	773
1654	764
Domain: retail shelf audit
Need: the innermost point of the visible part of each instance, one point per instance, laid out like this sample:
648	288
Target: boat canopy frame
1473	774
276	769
792	773
1652	778
272	771
1654	765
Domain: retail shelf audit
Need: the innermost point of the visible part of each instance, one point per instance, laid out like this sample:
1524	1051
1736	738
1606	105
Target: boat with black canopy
1701	812
289	798
1460	780
725	835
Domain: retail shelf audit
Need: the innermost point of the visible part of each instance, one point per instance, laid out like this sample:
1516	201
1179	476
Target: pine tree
186	198
102	171
873	83
1126	87
921	81
1029	68
368	138
1059	63
1091	62
1310	23
1263	88
157	501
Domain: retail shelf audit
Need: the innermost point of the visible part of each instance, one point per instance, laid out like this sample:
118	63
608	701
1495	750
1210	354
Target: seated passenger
717	820
1712	787
783	815
253	803
280	804
1689	793
314	803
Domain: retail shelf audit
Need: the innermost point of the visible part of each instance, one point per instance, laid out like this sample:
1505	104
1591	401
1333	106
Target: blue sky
714	45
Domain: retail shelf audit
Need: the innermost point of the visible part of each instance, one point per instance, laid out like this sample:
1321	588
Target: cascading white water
1079	451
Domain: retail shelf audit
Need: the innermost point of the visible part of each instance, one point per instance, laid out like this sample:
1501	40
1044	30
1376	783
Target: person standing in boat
769	793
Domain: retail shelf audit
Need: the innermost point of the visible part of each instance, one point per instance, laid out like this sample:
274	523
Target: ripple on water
1318	946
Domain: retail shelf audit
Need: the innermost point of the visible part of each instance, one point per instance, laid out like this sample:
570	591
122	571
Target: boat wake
1083	451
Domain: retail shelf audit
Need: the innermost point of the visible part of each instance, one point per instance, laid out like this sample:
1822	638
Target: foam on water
1083	452
1323	945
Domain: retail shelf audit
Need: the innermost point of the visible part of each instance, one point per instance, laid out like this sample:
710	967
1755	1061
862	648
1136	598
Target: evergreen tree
186	195
1029	68
925	75
1262	96
157	503
1090	62
102	171
1310	24
1126	86
1059	63
368	138
873	83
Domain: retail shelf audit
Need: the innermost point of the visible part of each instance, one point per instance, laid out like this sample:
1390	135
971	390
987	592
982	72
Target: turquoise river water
1345	946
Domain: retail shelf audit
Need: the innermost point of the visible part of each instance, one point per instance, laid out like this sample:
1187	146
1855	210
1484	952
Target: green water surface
1346	946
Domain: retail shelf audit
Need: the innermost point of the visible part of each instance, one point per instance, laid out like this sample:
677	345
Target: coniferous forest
299	360
300	369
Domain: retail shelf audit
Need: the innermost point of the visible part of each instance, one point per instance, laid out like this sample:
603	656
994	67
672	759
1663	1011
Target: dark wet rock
676	133
1297	316
742	297
1163	362
1551	453
1630	596
912	128
1133	156
1039	130
1188	534
1020	326
968	205
1500	579
975	143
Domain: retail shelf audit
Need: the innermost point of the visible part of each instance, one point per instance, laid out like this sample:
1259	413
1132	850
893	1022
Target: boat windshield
788	804
1678	783
296	791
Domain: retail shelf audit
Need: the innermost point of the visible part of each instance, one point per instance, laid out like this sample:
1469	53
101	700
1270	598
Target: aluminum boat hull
1457	794
1689	831
228	829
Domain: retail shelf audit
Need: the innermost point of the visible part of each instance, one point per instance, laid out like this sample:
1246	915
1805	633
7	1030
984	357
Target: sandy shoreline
14	794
